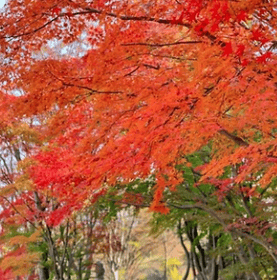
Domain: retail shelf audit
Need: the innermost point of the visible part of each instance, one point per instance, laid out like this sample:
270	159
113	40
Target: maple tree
152	83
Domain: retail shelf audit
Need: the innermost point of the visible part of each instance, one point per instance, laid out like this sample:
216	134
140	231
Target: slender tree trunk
165	257
100	271
43	271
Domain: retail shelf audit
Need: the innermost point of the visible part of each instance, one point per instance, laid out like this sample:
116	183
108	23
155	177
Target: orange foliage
153	82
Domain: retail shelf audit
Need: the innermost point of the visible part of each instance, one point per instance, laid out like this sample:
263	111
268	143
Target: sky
2	2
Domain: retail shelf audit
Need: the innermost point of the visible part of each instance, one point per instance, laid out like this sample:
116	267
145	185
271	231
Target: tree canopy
141	99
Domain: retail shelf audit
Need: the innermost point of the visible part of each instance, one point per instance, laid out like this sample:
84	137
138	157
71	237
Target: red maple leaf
199	29
179	20
257	35
227	49
56	11
240	50
264	58
242	16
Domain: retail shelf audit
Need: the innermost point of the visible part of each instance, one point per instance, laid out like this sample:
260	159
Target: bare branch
236	139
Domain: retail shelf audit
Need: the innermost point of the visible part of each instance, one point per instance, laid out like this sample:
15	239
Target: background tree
219	247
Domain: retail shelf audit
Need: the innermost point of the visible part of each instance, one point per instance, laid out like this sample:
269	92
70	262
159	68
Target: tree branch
236	139
161	45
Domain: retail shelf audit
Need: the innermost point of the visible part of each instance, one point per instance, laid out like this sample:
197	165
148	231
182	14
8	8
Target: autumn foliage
100	93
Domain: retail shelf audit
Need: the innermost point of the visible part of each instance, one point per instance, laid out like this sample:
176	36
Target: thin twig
161	45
